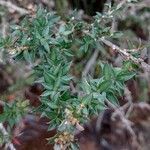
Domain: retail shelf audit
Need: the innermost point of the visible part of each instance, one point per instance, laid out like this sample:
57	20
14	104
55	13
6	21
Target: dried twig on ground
8	4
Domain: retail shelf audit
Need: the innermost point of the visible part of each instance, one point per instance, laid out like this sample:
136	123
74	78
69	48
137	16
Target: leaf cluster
53	43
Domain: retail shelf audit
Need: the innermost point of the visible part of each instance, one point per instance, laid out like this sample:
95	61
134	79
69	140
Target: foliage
13	112
53	43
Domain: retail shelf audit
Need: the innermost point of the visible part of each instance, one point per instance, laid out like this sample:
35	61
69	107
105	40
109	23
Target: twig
14	7
128	95
72	88
126	55
114	25
49	3
110	105
90	63
4	132
4	26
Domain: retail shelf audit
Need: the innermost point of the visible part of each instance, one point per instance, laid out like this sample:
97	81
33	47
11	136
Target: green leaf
117	35
74	146
46	93
45	44
84	48
67	32
48	77
86	86
112	98
52	125
27	56
124	76
52	105
85	111
108	72
2	117
104	86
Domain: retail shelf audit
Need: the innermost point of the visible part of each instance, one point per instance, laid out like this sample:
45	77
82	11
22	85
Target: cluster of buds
23	105
17	49
72	120
81	106
64	138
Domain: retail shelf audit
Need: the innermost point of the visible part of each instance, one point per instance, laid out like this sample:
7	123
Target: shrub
50	45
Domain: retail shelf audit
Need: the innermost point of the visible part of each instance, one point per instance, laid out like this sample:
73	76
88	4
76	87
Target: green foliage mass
53	43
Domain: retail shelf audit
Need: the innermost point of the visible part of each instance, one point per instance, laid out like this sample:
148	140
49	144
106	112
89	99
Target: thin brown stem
126	55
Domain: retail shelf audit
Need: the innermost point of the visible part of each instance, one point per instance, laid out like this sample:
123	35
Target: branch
90	63
14	7
126	55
